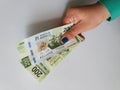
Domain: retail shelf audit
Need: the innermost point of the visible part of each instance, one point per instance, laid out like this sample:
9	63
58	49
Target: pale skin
85	18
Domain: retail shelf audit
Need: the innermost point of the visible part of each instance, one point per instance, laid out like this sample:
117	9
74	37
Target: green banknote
41	53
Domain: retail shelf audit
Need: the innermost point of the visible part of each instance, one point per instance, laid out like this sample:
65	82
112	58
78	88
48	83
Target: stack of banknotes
41	53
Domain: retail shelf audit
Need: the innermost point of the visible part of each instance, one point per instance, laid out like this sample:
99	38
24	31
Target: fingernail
64	40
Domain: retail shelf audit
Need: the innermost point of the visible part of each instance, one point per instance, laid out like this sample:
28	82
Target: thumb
75	30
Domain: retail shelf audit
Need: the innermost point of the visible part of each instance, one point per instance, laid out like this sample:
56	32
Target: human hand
85	18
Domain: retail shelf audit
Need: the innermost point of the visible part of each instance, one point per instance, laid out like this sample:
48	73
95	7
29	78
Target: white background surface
93	65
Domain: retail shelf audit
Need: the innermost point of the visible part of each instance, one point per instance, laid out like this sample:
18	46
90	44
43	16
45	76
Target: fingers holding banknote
84	18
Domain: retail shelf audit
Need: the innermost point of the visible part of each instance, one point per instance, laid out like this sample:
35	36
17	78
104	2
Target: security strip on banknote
41	53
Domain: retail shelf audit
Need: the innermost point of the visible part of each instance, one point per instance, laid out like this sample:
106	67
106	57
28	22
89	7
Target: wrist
102	10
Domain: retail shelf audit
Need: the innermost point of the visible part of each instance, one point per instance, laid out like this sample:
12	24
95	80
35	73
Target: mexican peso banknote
41	53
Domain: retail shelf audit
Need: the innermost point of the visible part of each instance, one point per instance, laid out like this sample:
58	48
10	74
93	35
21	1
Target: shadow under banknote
35	28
